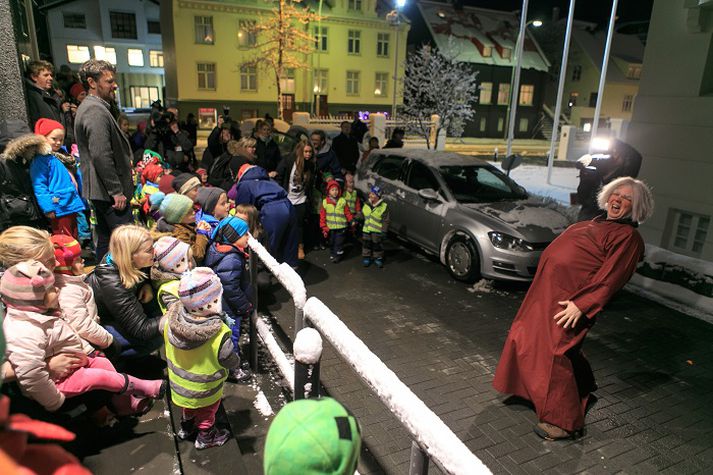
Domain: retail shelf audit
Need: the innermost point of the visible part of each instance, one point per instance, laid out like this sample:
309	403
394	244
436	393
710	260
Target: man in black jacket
346	148
167	139
268	153
42	102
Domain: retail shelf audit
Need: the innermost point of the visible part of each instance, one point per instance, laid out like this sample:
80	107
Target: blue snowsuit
54	188
277	215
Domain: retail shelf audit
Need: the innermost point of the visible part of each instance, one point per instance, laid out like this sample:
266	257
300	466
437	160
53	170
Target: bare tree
284	41
436	83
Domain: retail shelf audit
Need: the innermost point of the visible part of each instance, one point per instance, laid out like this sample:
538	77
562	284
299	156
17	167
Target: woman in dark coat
577	275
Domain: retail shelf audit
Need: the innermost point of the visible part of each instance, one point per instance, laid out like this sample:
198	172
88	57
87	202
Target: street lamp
394	19
515	83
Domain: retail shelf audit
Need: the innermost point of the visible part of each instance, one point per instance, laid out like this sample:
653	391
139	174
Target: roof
431	157
627	48
482	36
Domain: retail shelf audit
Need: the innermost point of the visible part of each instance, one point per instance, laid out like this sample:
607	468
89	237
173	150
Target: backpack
17	198
220	173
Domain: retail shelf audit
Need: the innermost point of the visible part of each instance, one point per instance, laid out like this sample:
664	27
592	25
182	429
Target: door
288	107
423	218
321	106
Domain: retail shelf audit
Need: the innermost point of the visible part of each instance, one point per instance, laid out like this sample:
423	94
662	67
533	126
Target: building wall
183	56
672	124
98	33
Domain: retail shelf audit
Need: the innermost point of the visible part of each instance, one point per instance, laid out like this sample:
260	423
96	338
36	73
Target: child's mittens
325	232
204	228
228	321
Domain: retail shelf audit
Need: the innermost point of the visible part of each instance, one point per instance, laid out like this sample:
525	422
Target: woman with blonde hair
224	170
122	294
24	243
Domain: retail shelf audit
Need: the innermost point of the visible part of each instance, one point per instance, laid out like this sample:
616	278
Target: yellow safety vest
373	218
170	287
335	214
195	376
351	199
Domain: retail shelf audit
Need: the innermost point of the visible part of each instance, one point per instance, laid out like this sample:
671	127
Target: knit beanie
311	437
200	292
155	200
45	126
151	173
24	285
171	255
175	207
243	168
229	230
208	198
333	183
165	184
185	182
66	250
376	189
76	90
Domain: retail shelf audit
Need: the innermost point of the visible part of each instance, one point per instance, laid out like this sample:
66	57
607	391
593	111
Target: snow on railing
283	364
284	273
426	428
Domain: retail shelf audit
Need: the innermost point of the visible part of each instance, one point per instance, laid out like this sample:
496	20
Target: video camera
162	121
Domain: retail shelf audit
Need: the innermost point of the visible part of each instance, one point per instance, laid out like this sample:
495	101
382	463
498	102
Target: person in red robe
577	275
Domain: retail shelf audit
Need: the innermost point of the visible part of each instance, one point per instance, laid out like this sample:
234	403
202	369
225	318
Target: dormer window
507	53
634	71
487	51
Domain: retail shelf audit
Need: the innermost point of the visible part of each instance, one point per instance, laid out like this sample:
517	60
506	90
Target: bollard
308	352
419	460
253	316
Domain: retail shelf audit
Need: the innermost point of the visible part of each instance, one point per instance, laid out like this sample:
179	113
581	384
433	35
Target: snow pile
427	429
483	286
307	347
283	364
285	274
262	404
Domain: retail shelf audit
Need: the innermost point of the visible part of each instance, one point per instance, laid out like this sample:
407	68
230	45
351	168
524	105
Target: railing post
299	319
253	316
308	352
419	460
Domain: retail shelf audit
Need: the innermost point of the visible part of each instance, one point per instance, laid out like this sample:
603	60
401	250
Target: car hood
534	220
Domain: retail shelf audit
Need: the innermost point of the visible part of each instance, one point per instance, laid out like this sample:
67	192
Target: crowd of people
169	236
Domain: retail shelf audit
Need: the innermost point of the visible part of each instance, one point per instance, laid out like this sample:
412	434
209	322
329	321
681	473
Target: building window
627	103
633	72
204	30
576	72
321	83
382	44
320	38
691	231
527	95
206	76
136	57
487	51
572	99
486	93
354	5
155	58
507	53
287	82
503	94
78	54
524	124
248	78
483	124
381	85
75	20
153	27
143	96
593	99
354	42
123	25
247	37
207	118
353	83
105	53
501	123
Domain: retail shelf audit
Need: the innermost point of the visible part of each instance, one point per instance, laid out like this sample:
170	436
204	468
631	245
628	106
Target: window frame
106	54
354	5
246	27
149	102
154	22
321	39
527	91
319	75
385	81
155	54
627	103
207	73
489	90
128	57
353	80
692	237
77	15
503	92
78	49
117	32
383	40
248	75
577	72
354	42
205	25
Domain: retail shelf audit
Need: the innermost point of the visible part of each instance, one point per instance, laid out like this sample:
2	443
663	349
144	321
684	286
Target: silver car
475	218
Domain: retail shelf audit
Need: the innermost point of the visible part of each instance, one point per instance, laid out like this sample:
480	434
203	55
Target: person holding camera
224	132
168	140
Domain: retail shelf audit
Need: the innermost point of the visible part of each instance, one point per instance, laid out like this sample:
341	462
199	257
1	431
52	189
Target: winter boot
128	405
379	262
212	437
366	262
239	375
153	388
188	429
300	252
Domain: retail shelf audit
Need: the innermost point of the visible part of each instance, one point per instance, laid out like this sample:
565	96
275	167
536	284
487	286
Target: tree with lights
284	41
436	83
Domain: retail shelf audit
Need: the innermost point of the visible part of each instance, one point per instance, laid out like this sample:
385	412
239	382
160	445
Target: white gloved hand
585	160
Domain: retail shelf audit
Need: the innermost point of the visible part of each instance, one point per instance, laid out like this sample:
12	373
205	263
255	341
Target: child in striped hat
172	258
200	354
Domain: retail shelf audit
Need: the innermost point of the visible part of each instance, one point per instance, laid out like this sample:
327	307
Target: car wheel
462	259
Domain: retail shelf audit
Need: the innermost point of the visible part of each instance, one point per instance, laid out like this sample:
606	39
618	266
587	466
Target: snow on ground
534	179
262	404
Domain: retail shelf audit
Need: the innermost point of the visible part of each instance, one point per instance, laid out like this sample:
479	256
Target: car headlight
510	243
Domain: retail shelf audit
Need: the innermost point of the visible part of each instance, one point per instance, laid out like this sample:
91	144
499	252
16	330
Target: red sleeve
348	213
618	267
323	218
357	206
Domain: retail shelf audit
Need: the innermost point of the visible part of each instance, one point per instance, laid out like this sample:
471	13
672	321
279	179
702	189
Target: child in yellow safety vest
172	258
334	219
376	223
200	354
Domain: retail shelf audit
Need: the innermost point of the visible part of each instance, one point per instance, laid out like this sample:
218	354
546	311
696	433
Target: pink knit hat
24	285
171	255
200	292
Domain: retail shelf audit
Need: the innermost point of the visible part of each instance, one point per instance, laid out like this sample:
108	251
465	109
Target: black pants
372	245
108	219
336	238
301	211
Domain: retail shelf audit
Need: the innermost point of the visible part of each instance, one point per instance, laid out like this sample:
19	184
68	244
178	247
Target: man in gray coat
104	152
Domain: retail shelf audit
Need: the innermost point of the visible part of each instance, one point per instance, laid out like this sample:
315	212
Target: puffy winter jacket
230	264
198	240
54	187
18	204
119	306
80	310
256	188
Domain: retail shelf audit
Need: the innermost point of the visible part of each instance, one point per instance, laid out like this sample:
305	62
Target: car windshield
480	184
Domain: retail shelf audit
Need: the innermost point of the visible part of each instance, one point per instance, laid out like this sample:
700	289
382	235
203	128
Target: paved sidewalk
653	366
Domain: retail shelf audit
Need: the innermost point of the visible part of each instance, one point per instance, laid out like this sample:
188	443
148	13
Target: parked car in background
248	125
464	210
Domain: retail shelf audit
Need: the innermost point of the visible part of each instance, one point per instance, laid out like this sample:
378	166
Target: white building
126	33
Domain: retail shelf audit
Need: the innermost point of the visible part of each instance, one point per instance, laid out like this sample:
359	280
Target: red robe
543	362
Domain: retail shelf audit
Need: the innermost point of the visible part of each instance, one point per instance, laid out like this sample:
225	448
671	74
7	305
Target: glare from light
400	3
377	92
587	127
316	89
600	144
537	23
441	15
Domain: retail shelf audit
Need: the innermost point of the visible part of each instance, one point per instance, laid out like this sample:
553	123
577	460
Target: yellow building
206	44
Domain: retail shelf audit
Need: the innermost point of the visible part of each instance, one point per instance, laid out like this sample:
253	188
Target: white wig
642	200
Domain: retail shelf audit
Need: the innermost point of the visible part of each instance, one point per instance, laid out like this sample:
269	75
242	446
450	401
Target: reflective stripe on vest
373	218
335	214
171	288
195	376
350	197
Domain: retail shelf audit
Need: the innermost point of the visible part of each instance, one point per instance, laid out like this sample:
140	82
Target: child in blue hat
376	223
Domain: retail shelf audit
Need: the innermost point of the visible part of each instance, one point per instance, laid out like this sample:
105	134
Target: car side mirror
428	194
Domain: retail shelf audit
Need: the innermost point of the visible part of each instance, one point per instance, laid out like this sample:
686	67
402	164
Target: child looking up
178	219
376	223
334	217
35	330
171	259
214	206
200	354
